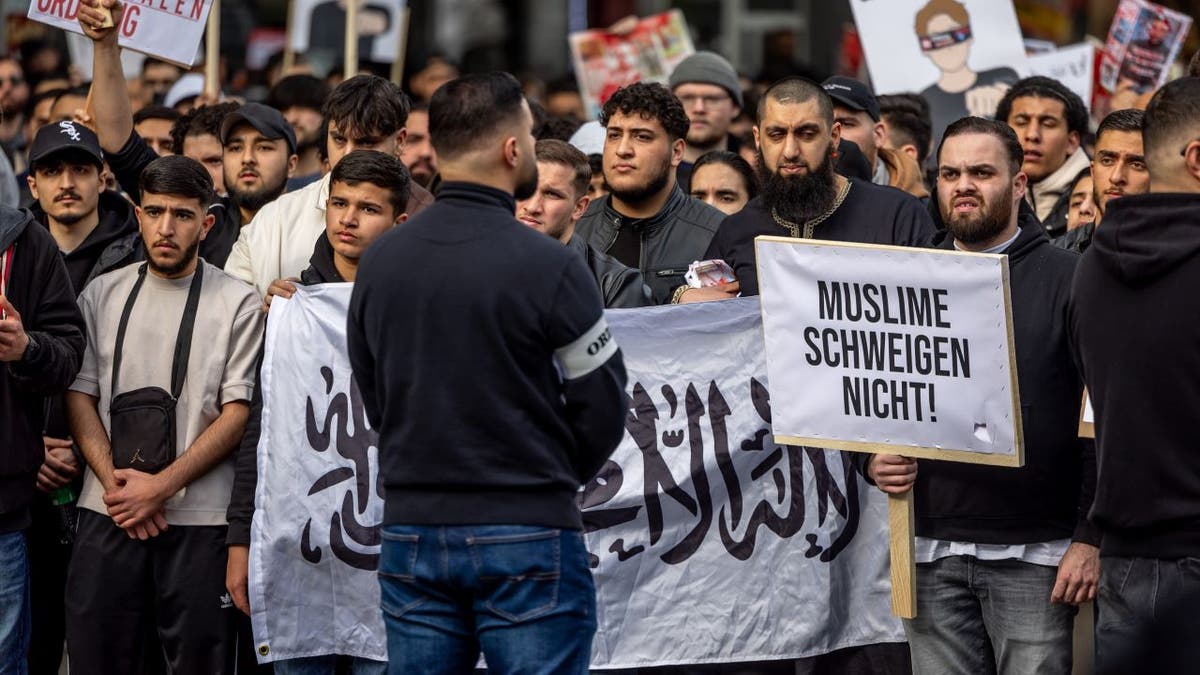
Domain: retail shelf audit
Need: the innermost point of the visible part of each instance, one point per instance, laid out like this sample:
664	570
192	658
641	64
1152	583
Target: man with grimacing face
1004	555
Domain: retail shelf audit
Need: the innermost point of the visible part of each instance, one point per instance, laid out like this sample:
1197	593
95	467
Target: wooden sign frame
900	507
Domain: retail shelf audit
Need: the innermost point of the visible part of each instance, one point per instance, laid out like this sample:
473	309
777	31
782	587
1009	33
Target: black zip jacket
127	166
671	240
484	360
320	270
620	286
1135	323
40	291
1049	497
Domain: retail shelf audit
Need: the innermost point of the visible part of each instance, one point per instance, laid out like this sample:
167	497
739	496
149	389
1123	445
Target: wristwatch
31	348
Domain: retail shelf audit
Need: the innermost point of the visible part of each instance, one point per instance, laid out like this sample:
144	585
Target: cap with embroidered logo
65	137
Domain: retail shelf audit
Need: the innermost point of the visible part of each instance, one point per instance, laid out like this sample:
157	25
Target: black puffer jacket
38	288
671	240
116	241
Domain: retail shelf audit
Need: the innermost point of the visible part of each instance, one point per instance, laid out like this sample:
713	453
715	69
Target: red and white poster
1142	44
605	61
171	30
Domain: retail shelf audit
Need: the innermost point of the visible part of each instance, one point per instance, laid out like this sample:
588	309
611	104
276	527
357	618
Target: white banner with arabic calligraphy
709	542
315	536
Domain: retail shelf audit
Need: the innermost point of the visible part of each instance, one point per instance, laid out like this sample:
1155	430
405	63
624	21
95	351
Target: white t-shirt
225	345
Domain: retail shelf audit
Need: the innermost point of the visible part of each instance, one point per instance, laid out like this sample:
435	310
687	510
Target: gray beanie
708	68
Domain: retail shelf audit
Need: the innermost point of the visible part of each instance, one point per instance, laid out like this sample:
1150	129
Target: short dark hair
156	112
379	169
796	90
1193	69
298	91
80	91
733	161
178	175
367	104
558	127
1044	87
555	151
1129	119
1172	114
650	100
200	121
35	99
995	128
908	121
464	111
151	61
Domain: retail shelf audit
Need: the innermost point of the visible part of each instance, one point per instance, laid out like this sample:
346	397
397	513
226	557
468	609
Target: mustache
68	195
164	242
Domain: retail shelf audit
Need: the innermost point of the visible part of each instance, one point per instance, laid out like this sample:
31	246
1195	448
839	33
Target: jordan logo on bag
137	457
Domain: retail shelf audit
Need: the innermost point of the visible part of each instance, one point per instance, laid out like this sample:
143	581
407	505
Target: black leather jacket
621	286
672	239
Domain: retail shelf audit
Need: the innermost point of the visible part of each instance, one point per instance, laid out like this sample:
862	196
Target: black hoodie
1049	497
116	241
40	291
1135	322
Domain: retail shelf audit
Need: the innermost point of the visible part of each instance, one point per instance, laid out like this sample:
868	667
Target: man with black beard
801	194
259	146
647	221
1004	555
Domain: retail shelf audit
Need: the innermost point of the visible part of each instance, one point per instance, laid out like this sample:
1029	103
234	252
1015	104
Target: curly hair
1074	110
651	101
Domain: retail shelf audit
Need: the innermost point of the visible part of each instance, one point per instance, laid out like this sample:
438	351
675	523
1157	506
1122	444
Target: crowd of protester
146	228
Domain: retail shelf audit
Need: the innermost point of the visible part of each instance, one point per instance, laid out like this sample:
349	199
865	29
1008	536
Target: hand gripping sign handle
904	570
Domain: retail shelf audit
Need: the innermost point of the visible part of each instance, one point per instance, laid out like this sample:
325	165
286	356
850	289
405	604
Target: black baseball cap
853	94
266	120
65	137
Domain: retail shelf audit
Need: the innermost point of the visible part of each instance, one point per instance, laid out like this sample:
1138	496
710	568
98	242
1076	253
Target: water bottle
63	500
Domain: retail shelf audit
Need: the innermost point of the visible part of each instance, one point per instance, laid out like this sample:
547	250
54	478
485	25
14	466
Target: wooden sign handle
904	568
108	18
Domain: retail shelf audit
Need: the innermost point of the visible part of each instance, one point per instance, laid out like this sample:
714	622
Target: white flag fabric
315	536
709	542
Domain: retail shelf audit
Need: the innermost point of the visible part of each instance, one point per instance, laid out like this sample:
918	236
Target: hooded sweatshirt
1048	498
1135	322
38	288
114	243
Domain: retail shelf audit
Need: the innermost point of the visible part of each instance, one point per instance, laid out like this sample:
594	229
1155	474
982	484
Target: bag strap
183	341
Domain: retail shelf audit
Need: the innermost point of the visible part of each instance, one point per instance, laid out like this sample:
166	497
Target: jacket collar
321	269
667	212
456	191
1030	235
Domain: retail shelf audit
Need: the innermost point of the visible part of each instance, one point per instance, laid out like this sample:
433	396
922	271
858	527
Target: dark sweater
870	215
1049	497
460	323
1135	323
40	291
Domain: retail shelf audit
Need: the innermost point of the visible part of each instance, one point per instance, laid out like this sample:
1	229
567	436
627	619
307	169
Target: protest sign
320	26
891	350
709	542
1142	44
961	56
1071	65
605	62
170	30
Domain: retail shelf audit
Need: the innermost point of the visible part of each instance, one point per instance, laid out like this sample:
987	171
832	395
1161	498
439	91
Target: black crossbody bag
142	421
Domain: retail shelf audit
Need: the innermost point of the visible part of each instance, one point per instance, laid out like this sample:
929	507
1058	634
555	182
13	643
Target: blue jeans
522	594
1146	618
327	665
981	616
14	604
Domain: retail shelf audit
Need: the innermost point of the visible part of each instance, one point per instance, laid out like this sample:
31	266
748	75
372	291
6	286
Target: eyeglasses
689	100
935	41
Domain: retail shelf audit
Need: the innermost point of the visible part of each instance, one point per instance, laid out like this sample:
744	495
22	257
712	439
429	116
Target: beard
189	254
983	225
800	198
653	185
253	200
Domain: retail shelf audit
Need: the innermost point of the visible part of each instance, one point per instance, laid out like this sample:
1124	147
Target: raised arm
111	109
